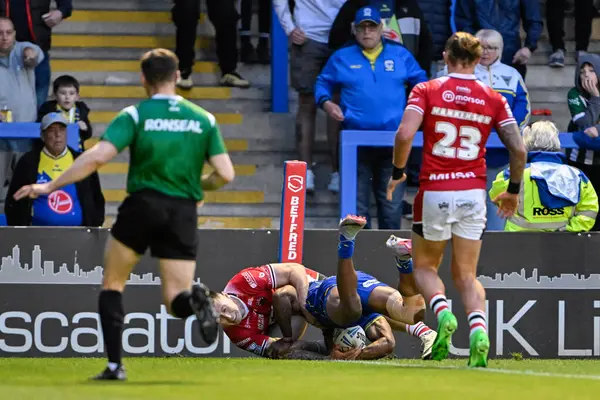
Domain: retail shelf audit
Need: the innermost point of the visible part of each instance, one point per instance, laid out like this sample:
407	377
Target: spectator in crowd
553	196
309	33
508	82
584	104
504	16
250	55
403	22
66	100
371	75
223	15
438	15
34	21
17	93
555	18
79	204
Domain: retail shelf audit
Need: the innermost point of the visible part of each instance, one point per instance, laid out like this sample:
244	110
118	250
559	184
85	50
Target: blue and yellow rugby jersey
61	207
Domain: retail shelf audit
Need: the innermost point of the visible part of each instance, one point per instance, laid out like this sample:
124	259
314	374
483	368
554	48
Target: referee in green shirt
169	140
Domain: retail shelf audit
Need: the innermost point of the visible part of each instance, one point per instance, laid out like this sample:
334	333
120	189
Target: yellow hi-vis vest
532	215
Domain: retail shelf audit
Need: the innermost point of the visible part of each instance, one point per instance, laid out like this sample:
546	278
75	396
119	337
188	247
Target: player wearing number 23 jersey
459	112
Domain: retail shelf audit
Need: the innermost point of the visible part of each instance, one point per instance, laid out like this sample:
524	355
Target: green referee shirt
169	140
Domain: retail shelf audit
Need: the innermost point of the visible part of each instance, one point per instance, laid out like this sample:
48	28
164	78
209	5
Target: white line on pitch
489	370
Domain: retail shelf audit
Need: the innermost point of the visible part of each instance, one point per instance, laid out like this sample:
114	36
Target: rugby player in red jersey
246	306
457	113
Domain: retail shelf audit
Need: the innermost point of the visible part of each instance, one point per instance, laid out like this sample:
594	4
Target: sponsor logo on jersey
506	79
464	115
449	97
355	66
60	202
172	125
389	65
250	279
370	283
261	322
452	175
443	205
243	342
574	101
545	211
463	89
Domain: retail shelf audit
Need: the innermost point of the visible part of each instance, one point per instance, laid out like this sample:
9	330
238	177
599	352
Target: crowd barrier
543	301
350	141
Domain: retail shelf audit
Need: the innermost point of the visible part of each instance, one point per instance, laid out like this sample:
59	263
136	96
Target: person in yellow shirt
78	204
554	196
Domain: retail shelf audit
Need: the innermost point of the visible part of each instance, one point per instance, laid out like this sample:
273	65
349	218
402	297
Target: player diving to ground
259	299
169	140
355	298
457	113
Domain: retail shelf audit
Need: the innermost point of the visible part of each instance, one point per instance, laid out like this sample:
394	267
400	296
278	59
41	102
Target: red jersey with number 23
254	287
459	112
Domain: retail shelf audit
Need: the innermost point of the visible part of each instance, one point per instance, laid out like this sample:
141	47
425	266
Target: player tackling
169	140
458	113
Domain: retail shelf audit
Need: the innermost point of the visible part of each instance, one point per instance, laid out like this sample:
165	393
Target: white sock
477	321
419	329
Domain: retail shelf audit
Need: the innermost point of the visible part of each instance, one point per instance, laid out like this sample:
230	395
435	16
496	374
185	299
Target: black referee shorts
168	225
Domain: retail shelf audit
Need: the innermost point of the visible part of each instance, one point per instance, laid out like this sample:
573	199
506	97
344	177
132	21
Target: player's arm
222	174
411	121
382	341
223	171
510	135
285	305
292	274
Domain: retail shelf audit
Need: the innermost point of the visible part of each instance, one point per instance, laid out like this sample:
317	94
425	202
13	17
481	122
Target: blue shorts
318	292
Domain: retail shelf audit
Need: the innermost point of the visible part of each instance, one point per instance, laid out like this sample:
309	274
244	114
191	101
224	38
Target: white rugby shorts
440	215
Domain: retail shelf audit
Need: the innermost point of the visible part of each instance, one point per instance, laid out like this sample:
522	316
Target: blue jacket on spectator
370	99
505	17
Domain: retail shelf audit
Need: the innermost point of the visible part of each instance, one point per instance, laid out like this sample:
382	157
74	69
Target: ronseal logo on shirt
172	125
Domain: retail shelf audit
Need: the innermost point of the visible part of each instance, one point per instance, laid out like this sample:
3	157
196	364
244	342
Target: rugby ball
349	338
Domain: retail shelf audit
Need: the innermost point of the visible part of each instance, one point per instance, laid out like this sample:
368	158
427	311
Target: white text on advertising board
293	230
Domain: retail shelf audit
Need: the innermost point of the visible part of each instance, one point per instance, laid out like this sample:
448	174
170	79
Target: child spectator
584	105
66	94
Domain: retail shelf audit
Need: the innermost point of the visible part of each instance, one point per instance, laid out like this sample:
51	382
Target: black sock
180	307
110	306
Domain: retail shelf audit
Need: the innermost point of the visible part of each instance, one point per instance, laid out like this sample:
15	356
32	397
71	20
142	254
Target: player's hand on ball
507	204
352	354
391	187
33	191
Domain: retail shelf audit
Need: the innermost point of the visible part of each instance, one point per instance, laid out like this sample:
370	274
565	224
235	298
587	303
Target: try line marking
488	370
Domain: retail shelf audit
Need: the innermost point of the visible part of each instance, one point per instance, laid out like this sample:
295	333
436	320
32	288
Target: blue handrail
279	66
32	130
350	141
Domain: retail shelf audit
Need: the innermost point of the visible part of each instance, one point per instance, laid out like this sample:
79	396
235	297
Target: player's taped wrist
397	173
345	248
513	188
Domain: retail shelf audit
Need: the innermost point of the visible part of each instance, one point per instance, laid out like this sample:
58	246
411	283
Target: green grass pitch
245	379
